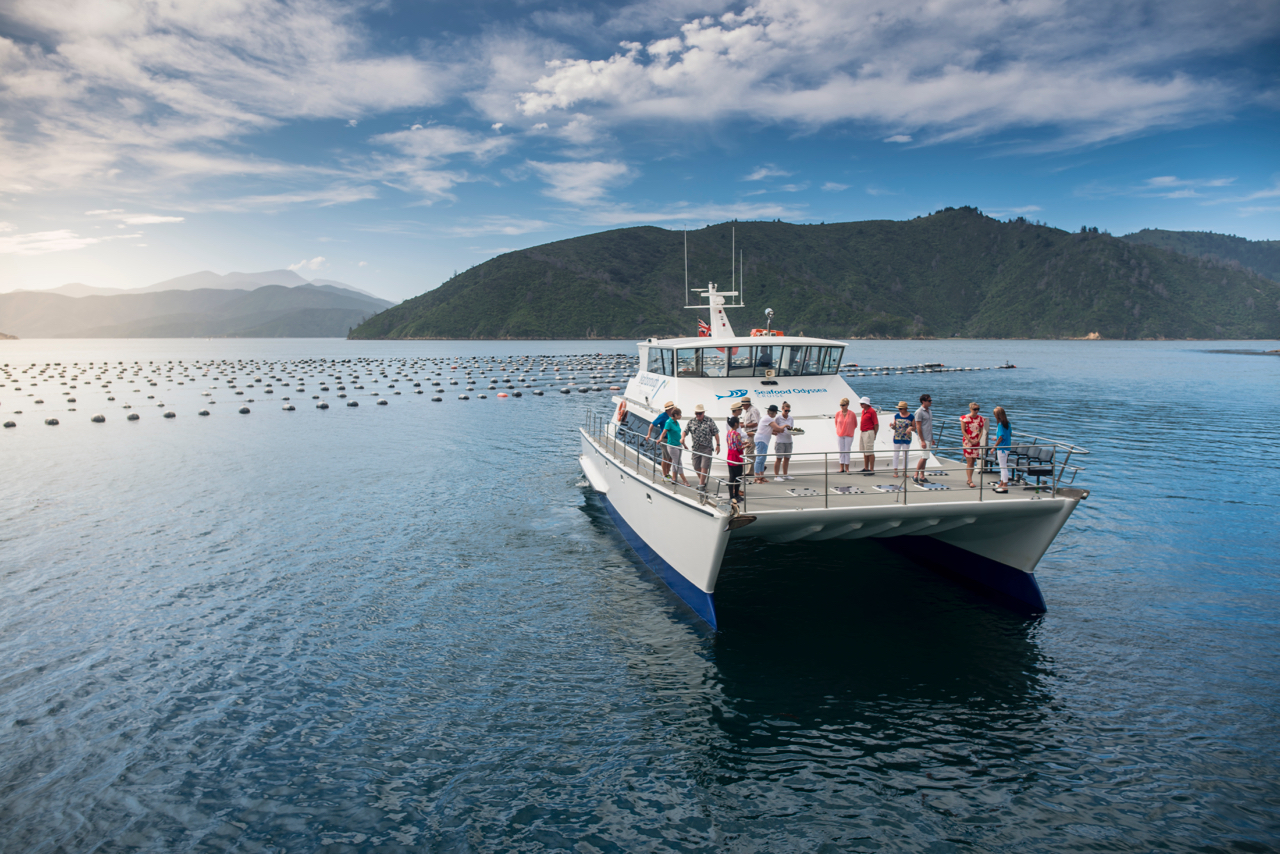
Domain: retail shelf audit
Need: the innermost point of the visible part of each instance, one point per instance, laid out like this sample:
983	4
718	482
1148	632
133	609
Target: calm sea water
412	627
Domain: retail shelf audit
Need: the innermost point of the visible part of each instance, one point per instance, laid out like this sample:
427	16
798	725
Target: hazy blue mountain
345	287
270	311
235	281
76	289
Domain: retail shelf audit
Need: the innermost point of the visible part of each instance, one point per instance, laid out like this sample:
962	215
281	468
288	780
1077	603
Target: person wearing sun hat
658	424
868	427
846	429
703	435
750	418
904	424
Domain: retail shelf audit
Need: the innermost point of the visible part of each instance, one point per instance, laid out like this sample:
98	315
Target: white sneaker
787	477
779	479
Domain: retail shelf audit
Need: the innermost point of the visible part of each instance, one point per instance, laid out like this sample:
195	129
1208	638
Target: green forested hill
955	272
1261	256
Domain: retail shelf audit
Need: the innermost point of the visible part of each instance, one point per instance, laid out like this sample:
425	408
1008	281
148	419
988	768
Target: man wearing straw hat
702	433
750	418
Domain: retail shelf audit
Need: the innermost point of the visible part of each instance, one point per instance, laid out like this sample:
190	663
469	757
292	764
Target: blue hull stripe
1012	586
700	601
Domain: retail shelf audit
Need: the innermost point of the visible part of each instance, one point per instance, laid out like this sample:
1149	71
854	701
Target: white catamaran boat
992	539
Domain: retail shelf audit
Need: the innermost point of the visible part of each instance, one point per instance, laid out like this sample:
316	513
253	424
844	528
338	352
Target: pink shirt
846	422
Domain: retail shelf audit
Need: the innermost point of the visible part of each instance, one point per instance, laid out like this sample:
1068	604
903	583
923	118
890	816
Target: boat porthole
649	497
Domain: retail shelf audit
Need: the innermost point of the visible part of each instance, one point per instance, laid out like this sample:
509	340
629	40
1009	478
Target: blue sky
388	144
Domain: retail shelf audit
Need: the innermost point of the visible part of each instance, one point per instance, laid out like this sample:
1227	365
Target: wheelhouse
683	358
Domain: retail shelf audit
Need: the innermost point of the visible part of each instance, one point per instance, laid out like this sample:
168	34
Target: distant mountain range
953	273
273	304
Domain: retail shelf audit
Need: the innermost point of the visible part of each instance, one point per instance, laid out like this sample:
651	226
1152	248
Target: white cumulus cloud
316	263
1093	70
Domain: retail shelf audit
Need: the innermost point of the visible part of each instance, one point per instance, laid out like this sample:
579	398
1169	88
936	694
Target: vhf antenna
685	232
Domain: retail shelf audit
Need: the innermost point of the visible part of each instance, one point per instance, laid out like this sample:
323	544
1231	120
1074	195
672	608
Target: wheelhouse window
716	362
689	362
660	362
796	361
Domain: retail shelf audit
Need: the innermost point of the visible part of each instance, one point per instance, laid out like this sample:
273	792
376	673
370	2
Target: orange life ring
622	412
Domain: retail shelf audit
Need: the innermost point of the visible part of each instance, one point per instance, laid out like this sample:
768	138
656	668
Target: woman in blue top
904	424
1004	441
671	435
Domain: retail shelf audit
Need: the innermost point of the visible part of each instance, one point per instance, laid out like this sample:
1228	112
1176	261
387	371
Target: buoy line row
506	376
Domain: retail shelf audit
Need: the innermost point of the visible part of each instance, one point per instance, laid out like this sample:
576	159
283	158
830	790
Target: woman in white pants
846	430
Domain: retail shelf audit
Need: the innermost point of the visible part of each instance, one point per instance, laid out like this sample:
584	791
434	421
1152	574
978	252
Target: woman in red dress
973	428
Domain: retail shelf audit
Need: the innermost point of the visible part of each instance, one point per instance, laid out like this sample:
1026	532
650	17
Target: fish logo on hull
737	392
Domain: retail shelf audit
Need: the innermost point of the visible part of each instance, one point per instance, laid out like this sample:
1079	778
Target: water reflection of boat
930	686
994	540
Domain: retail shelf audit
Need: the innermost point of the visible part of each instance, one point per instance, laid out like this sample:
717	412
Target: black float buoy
203	412
10	424
171	414
52	422
244	410
133	416
353	403
288	407
98	419
322	405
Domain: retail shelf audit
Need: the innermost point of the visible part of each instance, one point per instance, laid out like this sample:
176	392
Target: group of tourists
749	434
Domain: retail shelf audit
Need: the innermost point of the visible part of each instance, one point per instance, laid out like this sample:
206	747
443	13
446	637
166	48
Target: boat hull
683	543
991	545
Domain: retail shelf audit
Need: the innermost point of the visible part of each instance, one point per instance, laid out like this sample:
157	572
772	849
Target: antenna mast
685	232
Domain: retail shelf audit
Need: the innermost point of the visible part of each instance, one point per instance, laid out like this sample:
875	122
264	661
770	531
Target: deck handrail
647	460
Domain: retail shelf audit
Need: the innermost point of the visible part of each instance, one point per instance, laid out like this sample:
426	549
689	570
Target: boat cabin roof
744	341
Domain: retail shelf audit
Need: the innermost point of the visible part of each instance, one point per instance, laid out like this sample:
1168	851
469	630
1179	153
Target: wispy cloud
124	95
1019	211
134	219
833	187
766	171
1159	187
899	137
45	242
504	225
316	263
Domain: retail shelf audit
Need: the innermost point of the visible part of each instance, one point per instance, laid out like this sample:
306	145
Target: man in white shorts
868	427
924	428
